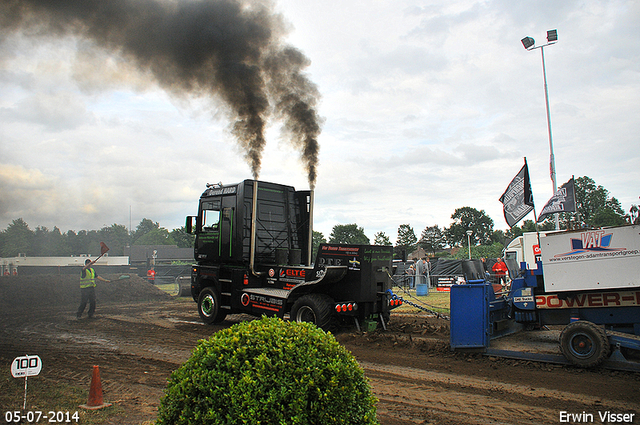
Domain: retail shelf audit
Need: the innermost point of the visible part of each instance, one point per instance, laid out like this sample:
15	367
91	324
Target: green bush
268	371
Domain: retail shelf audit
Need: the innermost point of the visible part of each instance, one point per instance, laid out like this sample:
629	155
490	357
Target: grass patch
169	288
436	301
46	395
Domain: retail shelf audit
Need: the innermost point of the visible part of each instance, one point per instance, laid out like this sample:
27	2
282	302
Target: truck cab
223	226
253	255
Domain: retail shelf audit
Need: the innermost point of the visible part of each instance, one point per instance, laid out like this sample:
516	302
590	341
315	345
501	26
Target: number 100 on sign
26	366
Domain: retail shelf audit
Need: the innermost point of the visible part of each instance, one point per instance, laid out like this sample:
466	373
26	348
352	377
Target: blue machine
477	316
599	323
469	315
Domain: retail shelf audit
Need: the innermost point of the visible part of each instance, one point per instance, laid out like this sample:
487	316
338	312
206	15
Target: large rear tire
209	306
584	344
314	308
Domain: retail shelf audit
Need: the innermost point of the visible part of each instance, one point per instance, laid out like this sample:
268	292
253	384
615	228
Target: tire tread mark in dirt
472	399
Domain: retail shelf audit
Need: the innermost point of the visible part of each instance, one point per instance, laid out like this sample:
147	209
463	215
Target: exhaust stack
310	245
254	222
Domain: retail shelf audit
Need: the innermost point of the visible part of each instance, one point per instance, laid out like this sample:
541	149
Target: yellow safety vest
89	279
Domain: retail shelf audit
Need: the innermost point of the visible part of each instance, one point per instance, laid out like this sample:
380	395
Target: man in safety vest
88	289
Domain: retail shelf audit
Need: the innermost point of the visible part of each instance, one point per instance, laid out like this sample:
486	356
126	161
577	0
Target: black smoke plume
226	49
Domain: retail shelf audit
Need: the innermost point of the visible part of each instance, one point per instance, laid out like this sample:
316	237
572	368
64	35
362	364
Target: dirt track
140	335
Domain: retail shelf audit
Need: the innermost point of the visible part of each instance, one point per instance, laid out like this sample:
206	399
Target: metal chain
420	307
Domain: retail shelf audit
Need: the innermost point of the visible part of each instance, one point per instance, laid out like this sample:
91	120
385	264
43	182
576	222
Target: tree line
595	208
19	239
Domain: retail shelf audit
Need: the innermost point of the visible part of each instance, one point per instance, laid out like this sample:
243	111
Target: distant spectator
500	270
151	275
421	271
411	271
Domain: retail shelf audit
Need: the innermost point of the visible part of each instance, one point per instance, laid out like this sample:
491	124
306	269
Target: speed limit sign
26	366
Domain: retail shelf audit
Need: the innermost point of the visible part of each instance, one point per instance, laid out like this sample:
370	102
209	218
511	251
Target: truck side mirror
189	224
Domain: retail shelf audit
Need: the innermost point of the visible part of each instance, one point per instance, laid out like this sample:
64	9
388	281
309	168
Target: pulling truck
253	245
587	280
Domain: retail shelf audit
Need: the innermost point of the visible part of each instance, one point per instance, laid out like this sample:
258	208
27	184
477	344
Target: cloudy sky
427	106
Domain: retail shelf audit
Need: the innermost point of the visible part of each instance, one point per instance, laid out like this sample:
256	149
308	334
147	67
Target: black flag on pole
564	200
517	200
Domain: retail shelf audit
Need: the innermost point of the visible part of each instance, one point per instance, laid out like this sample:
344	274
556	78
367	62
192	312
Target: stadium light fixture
530	44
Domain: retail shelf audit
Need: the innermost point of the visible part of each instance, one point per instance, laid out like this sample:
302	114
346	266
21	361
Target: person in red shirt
500	270
151	276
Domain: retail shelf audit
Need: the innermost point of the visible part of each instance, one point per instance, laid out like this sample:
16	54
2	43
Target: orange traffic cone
95	392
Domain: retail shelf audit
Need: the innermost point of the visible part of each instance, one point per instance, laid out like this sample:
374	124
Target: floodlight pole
552	160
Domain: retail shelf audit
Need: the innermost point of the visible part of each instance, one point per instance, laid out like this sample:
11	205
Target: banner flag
517	200
564	200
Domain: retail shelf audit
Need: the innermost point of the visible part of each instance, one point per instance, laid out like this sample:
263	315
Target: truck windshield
510	255
210	216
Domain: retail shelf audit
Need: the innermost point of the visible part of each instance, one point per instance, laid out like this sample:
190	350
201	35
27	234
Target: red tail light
343	308
395	302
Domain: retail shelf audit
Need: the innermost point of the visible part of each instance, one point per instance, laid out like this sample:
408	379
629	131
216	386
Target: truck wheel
313	308
209	306
584	343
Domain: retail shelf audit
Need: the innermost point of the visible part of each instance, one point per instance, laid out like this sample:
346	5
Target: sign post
26	366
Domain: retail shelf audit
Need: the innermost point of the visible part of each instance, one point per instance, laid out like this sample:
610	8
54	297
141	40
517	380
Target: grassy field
436	301
169	288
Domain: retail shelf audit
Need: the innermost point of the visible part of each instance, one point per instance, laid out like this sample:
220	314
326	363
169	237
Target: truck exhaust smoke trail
230	50
295	98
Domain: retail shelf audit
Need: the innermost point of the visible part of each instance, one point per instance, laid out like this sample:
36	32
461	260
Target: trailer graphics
592	242
253	255
590	300
598	259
